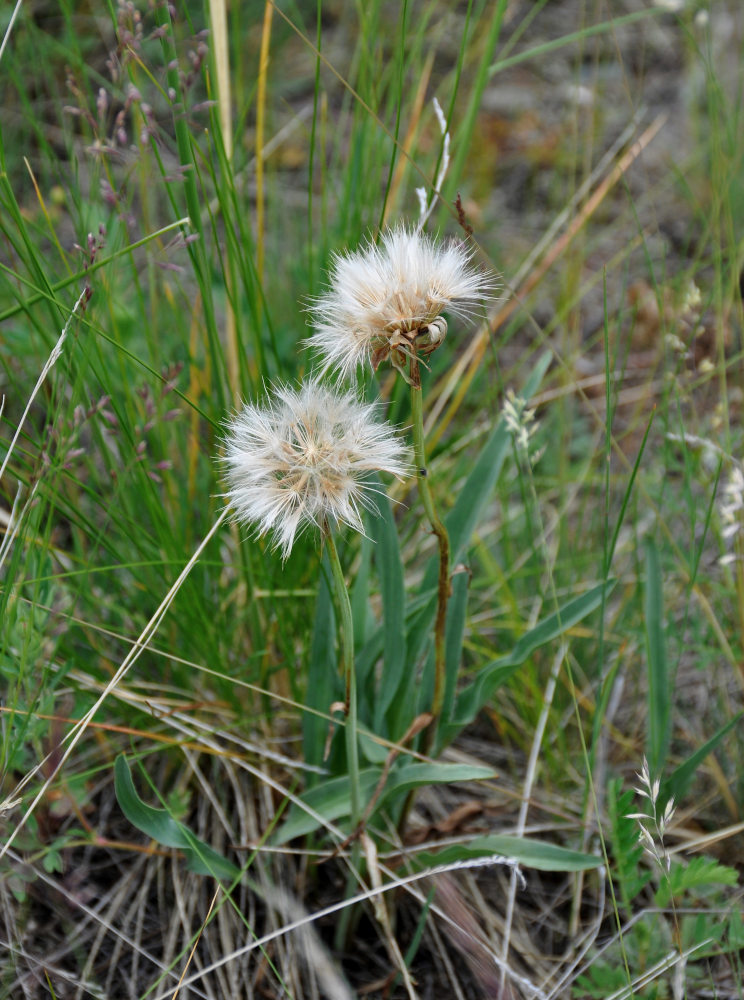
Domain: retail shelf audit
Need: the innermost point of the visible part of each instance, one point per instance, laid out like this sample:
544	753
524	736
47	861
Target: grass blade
658	675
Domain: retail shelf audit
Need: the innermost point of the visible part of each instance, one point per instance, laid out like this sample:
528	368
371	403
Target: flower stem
440	531
346	639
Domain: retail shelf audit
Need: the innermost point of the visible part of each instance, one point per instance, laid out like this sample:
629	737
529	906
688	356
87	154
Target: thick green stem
346	639
443	591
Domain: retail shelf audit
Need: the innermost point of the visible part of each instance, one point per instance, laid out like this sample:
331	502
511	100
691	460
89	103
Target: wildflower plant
308	458
385	303
210	185
305	458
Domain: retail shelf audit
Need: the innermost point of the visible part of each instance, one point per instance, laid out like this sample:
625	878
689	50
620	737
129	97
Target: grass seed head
520	420
307	457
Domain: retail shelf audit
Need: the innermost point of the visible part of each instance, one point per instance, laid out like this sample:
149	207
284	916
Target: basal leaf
417	774
528	852
331	799
161	827
474	697
456	615
410	697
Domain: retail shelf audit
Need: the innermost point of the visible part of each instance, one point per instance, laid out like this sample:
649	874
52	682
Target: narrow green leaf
331	799
461	523
473	698
392	586
530	853
419	615
159	825
734	932
187	150
372	750
456	615
658	676
416	688
679	780
467	119
360	610
608	682
463	519
418	774
538	53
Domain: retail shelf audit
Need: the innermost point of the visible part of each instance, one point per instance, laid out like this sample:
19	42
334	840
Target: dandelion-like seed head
385	302
307	457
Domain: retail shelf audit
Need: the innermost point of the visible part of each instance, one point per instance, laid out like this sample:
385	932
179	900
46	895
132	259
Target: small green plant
665	934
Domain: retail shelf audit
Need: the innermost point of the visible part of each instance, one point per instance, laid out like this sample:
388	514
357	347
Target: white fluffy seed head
307	457
382	297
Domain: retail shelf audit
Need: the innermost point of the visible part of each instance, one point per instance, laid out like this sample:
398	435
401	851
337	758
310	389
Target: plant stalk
346	641
444	589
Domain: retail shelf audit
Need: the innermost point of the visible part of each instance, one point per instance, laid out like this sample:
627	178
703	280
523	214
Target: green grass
594	560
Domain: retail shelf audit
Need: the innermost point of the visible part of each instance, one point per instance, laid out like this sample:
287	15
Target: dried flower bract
307	457
385	301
